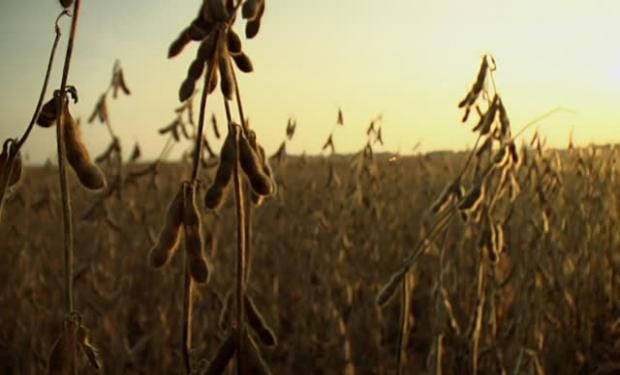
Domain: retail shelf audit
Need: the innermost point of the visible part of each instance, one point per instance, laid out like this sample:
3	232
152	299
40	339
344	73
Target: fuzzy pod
223	174
194	242
196	68
48	114
252	26
227	83
88	173
177	46
258	323
170	233
187	89
224	354
233	42
251	165
250	9
473	200
66	3
243	62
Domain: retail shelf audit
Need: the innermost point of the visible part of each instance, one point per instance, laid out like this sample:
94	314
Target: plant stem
186	338
241	256
187	299
66	199
50	63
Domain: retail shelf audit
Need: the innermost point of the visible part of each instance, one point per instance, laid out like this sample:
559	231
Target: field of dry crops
500	259
322	249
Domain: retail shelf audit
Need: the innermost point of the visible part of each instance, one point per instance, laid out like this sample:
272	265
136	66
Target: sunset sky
410	60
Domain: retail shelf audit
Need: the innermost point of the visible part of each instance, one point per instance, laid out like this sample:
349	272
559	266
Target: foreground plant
240	155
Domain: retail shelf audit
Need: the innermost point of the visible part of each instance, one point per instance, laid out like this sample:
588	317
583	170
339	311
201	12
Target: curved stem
62	172
50	63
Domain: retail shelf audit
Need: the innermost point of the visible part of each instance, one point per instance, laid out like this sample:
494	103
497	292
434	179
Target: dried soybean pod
170	233
243	62
196	68
233	42
47	115
89	174
223	355
178	44
251	165
227	84
187	89
472	201
258	324
224	171
213	81
66	3
194	243
253	25
249	9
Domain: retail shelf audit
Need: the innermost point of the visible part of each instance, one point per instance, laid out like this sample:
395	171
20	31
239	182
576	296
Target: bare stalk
66	199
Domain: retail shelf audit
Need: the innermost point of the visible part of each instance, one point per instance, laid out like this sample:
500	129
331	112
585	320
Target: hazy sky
410	60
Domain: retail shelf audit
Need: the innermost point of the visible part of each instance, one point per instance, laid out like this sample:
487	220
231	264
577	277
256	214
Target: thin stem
403	326
238	98
62	172
50	63
241	256
186	339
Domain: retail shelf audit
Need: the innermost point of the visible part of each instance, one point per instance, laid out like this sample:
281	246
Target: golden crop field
500	259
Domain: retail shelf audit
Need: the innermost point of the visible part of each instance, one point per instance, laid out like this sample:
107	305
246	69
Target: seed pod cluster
88	173
194	242
170	233
476	88
215	193
101	111
219	43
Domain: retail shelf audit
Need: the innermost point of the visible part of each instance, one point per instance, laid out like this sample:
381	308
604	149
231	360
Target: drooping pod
88	173
194	242
170	234
224	354
47	116
258	323
252	166
216	191
227	84
472	200
243	62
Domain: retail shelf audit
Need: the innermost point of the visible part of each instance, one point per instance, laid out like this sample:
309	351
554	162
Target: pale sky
410	60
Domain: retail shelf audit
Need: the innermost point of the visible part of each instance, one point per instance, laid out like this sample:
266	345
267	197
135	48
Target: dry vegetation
496	260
